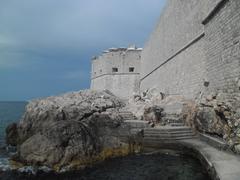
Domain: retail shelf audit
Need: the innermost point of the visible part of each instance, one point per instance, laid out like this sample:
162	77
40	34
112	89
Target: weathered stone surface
215	114
71	130
156	107
125	81
12	134
153	114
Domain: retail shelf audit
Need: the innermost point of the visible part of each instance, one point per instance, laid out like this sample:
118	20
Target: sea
10	112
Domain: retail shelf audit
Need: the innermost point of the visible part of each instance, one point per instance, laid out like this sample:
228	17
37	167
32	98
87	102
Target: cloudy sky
46	45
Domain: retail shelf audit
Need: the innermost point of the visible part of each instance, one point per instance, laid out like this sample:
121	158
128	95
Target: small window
131	69
95	73
100	70
114	69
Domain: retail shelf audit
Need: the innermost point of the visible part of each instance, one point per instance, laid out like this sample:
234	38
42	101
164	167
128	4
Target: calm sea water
9	112
140	167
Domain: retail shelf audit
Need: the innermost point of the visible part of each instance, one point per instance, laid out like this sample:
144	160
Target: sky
46	46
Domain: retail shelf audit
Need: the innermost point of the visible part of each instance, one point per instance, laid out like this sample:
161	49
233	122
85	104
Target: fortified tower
117	70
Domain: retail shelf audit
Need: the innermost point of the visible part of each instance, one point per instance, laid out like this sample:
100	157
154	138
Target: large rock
153	114
216	114
71	130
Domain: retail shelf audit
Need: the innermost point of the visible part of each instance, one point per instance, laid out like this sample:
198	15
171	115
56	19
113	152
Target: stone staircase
127	115
172	130
173	120
167	133
131	125
132	121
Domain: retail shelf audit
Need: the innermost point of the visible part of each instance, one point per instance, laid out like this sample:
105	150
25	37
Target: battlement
122	50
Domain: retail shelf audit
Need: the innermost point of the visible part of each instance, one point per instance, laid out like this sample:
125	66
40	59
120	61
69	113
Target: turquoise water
9	112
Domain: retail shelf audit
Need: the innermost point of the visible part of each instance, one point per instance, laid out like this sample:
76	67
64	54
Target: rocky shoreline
76	130
69	132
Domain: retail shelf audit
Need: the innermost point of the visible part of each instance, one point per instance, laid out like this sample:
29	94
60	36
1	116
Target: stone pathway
227	165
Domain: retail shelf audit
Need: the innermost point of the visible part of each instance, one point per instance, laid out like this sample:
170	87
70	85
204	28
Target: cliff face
71	130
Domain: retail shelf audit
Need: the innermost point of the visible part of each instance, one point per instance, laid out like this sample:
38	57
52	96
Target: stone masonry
117	70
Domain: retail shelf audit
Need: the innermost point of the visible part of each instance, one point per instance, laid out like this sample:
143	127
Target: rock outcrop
69	131
216	114
153	105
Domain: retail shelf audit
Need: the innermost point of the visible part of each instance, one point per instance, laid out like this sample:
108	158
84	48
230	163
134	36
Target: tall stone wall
222	47
122	83
174	59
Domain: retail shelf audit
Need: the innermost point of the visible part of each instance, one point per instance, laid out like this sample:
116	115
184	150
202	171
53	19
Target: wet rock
27	170
12	134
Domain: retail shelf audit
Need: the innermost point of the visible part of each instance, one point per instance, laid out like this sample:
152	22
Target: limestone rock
216	114
68	130
153	114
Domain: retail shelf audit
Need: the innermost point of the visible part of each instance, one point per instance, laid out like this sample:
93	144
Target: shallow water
139	167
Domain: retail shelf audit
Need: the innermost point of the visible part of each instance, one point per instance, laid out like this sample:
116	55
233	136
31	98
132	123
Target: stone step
213	141
163	136
177	124
147	139
137	124
125	113
129	118
175	108
169	134
167	129
124	110
172	115
172	120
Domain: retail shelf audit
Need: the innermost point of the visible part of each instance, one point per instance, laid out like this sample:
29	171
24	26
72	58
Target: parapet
132	48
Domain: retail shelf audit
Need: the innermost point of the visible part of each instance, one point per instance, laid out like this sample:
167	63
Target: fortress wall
182	75
122	83
173	59
223	48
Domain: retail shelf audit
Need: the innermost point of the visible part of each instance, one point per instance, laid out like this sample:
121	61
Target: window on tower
131	69
114	69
